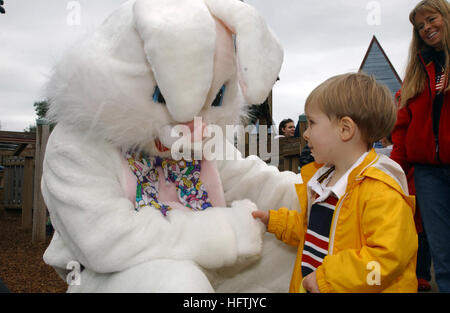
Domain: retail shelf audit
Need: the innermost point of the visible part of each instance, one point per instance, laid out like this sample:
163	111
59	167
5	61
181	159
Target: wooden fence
286	154
289	151
20	184
13	181
18	179
40	210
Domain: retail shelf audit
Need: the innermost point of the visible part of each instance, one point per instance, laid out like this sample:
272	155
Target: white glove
248	230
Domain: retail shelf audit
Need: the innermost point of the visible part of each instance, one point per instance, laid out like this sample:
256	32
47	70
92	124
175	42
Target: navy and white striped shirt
321	214
315	248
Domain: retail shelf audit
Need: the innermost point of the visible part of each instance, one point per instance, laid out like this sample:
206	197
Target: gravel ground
22	269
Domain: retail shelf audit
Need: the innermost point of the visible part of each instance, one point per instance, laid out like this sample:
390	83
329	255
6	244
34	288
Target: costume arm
82	186
390	245
399	133
251	178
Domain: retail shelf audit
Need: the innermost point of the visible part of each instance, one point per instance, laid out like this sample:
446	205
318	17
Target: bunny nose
196	126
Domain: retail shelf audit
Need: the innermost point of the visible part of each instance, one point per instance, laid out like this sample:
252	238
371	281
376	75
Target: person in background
386	143
421	135
423	267
306	156
286	128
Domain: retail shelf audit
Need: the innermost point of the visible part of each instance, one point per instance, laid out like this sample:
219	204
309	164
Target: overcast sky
321	38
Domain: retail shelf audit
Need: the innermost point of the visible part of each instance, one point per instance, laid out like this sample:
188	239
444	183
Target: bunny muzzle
192	132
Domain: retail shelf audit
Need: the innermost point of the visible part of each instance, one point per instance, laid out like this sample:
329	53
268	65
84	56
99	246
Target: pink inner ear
240	75
226	42
225	58
226	50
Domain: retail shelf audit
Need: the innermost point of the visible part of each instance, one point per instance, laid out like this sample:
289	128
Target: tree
41	108
2	9
30	129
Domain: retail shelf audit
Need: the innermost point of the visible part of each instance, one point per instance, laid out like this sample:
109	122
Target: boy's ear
347	128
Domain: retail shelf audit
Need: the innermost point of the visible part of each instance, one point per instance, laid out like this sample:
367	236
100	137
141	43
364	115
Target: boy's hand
263	216
310	283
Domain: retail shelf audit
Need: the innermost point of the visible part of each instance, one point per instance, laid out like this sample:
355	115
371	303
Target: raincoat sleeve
287	225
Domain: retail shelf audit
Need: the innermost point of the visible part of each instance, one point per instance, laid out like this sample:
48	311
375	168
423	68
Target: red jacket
413	137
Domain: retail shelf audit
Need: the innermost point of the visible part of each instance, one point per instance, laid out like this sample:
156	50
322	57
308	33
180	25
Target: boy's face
322	135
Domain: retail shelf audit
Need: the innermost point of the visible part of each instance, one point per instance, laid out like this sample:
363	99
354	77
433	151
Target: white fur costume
101	97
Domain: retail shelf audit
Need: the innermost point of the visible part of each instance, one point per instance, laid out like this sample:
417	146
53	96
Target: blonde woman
421	135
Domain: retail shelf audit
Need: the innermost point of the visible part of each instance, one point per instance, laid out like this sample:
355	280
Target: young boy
355	230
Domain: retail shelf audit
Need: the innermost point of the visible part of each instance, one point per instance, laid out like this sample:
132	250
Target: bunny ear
179	42
260	55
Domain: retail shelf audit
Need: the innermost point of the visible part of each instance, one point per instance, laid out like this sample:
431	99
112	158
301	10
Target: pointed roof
377	63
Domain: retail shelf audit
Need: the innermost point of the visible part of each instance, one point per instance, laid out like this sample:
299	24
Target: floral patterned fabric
184	174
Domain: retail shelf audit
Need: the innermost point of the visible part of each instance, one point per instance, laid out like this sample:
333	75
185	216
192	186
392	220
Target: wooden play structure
289	149
21	156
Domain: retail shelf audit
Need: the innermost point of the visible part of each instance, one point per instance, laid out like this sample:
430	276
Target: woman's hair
283	125
415	76
359	96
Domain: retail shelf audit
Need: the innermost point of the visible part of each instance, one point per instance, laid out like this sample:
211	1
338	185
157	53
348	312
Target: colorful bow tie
184	174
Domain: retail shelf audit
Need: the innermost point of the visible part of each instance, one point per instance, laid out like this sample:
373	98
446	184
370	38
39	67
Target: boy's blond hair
359	96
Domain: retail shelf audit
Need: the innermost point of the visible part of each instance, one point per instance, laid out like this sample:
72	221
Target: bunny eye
219	97
157	96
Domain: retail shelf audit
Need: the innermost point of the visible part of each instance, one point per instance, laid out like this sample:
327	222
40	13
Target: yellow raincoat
373	240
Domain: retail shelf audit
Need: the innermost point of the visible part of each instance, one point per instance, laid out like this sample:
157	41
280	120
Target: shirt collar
338	189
